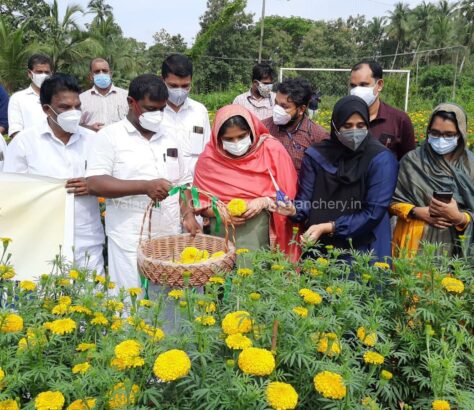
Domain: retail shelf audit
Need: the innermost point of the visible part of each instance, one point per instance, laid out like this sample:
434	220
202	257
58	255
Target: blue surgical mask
102	80
443	145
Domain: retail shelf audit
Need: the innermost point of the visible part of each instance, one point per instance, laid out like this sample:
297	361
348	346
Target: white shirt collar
45	130
94	90
30	90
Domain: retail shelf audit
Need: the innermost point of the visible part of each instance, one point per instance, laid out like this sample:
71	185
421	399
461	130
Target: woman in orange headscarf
237	163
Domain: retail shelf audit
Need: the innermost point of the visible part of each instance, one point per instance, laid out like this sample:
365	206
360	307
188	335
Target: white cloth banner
37	213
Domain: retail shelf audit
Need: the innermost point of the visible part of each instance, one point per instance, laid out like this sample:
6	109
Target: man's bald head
99	65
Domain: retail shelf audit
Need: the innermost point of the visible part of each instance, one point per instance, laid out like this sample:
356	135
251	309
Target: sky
140	19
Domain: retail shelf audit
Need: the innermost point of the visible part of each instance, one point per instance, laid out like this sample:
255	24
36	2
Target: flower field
314	335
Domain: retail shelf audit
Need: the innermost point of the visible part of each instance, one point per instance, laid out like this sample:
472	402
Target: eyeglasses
438	134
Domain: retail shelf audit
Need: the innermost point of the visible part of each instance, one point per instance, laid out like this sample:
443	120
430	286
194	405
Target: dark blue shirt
4	108
381	180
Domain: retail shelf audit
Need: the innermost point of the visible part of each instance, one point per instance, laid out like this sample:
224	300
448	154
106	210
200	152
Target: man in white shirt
104	103
260	99
188	119
58	148
135	161
24	108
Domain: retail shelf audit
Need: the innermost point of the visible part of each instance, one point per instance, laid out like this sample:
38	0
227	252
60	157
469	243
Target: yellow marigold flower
83	347
28	285
255	296
191	254
238	341
440	405
281	396
64	282
328	344
49	400
146	303
74	274
135	291
217	280
172	365
237	322
11	323
65	300
452	285
244	272
301	311
367	339
314	272
206	320
122	364
121	396
330	385
310	297
373	358
9	405
216	255
87	404
176	294
99	319
155	333
111	285
386	375
256	361
62	326
80	309
322	261
100	279
128	348
60	310
116	324
382	265
241	251
236	207
277	267
210	307
7	272
114	305
81	368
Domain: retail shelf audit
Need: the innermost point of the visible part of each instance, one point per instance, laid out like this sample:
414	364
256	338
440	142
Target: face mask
237	148
443	145
366	93
280	116
38	79
177	96
352	138
151	120
264	89
102	80
68	120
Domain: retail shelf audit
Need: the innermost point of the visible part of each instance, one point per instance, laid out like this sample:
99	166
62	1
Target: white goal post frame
347	70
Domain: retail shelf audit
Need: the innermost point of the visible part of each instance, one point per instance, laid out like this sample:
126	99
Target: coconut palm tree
399	26
101	9
423	16
376	33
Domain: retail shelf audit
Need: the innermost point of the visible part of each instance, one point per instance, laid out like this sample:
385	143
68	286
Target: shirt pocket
126	163
196	141
172	164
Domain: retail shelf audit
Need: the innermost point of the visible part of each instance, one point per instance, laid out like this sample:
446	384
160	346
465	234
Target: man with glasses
188	119
260	99
290	122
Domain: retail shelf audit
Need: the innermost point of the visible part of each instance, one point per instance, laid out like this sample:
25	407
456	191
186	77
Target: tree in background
165	44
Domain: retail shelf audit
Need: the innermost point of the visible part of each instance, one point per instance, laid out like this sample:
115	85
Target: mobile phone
443	196
172	152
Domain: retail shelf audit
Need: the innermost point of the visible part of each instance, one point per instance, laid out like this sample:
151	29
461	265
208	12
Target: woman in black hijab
346	184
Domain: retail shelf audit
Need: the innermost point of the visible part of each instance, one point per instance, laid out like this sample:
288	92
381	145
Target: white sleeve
185	174
15	118
3	150
101	156
207	127
15	157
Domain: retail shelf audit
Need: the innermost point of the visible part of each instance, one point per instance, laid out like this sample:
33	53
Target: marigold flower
256	361
277	267
238	341
176	294
191	255
241	251
122	364
115	305
146	303
83	347
244	272
382	265
87	404
440	405
236	207
28	285
172	365
216	255
116	324
255	296
210	307
81	368
135	291
452	285
61	326
128	348
217	280
329	345
386	375
373	358
281	396
11	323
74	274
330	385
60	310
206	320
237	322
7	272
100	279
367	339
310	297
301	311
49	400
155	333
9	405
80	309
99	319
314	272
120	395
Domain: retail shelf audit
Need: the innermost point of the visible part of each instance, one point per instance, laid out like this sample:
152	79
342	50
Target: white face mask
178	95
443	145
38	79
366	93
237	148
280	116
151	120
264	89
68	120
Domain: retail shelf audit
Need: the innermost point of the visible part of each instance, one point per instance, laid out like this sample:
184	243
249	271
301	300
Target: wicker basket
156	255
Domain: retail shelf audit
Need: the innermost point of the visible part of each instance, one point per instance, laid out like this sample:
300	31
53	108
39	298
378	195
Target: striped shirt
104	109
262	108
